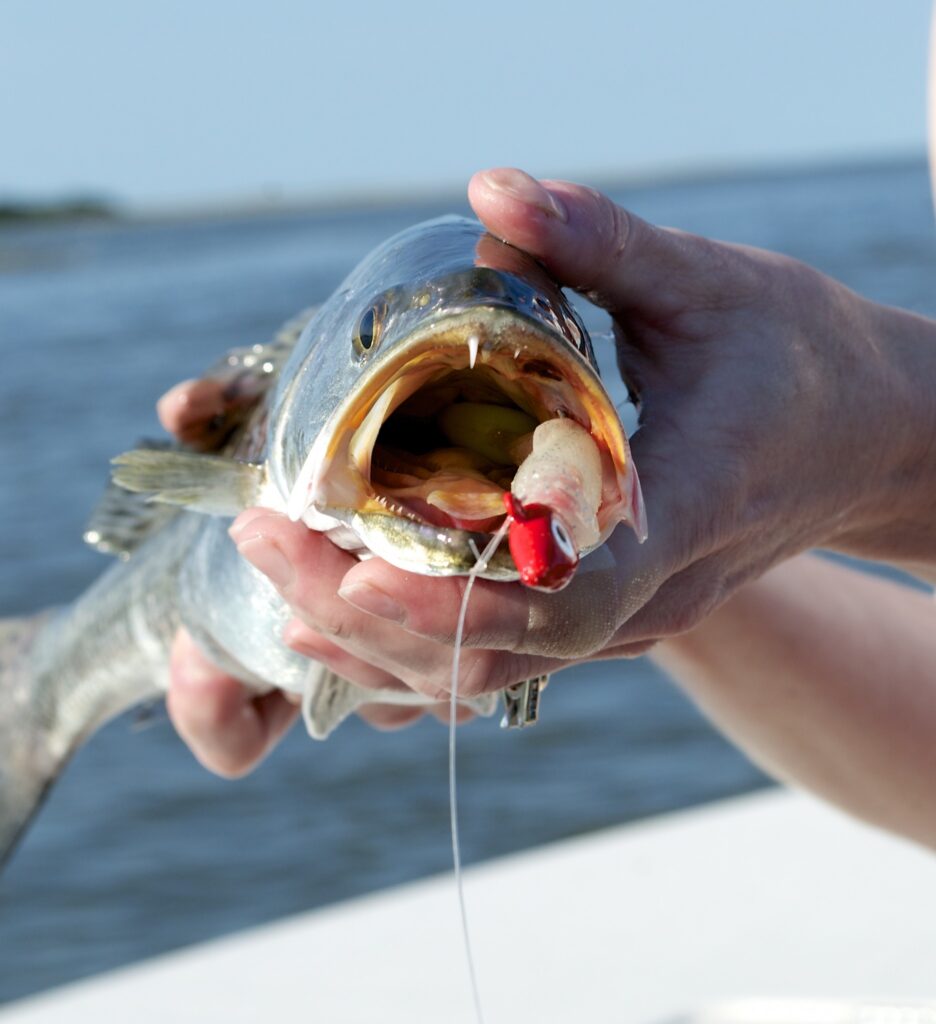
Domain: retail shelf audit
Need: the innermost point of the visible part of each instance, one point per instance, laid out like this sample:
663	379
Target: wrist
894	518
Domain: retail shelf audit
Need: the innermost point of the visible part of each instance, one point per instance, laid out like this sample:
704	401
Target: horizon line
276	202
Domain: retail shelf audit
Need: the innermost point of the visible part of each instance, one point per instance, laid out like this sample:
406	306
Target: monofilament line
480	566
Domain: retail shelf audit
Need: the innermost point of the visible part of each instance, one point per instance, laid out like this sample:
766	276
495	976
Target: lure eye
369	328
563	541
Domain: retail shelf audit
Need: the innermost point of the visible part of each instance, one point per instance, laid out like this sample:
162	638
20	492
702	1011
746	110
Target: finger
610	584
629	651
389	717
228	728
306	641
422	665
382	716
591	244
189	410
443	713
308	571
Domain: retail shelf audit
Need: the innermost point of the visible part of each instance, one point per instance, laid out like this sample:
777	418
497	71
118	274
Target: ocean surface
139	850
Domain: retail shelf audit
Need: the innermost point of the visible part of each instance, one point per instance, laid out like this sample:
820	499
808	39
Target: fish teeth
394	507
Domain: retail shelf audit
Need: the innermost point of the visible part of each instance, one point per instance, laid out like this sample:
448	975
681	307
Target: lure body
553	504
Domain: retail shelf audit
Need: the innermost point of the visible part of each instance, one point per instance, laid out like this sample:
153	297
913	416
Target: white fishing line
479	566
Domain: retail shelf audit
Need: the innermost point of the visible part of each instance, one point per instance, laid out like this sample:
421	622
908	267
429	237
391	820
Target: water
139	850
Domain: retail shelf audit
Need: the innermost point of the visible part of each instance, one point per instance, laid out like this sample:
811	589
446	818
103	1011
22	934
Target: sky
182	102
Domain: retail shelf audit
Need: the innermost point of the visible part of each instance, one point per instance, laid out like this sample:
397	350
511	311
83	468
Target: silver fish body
440	310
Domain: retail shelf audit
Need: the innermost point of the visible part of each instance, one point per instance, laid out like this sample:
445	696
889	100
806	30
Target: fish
395	419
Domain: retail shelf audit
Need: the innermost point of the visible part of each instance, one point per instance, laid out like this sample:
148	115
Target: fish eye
369	327
563	540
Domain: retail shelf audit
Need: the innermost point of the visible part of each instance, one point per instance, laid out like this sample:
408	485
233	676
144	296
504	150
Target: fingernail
238	530
519	185
373	601
264	555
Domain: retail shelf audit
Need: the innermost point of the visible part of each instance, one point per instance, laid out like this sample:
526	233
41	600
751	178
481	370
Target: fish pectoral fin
210	484
328	700
121	521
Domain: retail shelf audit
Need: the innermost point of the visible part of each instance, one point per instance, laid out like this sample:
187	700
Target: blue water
139	850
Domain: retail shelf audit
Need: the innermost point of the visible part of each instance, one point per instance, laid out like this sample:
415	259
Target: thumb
593	245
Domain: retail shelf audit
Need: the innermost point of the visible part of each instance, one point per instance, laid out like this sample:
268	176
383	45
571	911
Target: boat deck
768	896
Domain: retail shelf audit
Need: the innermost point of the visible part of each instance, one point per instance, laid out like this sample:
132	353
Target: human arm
781	411
826	677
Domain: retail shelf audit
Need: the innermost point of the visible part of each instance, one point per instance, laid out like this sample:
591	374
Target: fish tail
29	760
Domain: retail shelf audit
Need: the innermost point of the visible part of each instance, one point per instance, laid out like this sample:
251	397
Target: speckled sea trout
400	419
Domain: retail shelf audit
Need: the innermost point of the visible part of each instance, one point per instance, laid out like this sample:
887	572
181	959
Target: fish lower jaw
431	551
324	517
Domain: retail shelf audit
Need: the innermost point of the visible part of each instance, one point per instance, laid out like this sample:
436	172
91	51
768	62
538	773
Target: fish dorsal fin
131	510
286	337
263	361
210	484
243	377
121	521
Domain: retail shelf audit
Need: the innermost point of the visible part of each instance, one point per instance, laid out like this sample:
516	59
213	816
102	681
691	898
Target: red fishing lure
541	545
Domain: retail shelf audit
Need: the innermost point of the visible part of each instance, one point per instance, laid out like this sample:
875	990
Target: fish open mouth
418	459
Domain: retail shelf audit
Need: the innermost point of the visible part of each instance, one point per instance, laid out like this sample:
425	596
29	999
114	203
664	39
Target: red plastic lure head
541	545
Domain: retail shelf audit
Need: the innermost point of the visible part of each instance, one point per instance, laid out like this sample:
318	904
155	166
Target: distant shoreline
446	194
16	212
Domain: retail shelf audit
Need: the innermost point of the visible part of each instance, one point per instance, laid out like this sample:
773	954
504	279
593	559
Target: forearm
827	678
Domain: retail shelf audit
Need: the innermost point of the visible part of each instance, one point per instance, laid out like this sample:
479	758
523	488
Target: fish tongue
467	498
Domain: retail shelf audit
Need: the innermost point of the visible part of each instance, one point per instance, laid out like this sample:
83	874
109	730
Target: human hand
756	374
227	725
768	392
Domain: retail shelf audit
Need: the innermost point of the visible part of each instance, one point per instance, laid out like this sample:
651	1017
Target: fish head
441	330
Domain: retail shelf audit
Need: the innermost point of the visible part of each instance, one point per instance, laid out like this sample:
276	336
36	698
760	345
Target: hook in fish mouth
418	459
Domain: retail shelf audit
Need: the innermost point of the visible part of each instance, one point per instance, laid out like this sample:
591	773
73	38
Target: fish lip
432	346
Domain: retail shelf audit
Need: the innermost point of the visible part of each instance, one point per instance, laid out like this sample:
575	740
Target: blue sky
206	102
